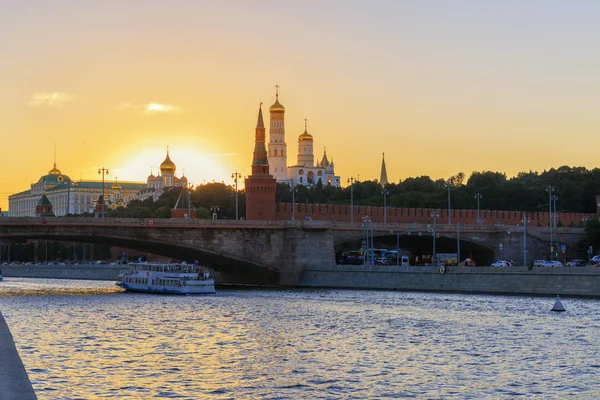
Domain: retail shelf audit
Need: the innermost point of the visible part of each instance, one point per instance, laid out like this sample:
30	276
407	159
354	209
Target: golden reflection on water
300	345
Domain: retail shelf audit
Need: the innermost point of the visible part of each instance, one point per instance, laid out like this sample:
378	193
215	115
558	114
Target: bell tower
260	185
277	145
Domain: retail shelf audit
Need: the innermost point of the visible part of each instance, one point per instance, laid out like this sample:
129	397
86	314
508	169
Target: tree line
575	189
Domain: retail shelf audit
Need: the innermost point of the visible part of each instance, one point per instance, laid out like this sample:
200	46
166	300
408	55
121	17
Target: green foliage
576	188
592	232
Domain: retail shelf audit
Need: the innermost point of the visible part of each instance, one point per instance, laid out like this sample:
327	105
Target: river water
89	340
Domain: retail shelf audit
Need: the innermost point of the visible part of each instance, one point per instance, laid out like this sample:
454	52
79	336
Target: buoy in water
558	306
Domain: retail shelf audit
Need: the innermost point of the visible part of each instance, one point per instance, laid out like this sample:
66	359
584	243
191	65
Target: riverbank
14	381
564	281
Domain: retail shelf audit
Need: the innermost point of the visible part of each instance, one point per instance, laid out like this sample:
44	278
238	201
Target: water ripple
86	340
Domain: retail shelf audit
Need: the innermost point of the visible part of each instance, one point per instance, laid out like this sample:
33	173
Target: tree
592	232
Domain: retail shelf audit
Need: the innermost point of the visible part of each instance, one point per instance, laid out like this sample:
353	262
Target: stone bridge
277	252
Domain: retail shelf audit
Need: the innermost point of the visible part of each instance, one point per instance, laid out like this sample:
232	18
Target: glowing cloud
56	99
150	108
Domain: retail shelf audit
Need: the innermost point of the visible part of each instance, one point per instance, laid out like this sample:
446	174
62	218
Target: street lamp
384	192
525	220
554	198
103	171
351	182
435	216
448	184
478	196
235	176
398	234
214	210
550	189
368	239
293	201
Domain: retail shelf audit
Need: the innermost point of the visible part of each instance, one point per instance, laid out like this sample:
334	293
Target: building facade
70	197
306	171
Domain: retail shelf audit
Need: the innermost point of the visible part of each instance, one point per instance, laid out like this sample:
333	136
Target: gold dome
54	171
167	165
305	137
277	107
116	186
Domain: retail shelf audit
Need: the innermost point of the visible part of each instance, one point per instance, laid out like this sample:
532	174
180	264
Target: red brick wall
260	198
341	213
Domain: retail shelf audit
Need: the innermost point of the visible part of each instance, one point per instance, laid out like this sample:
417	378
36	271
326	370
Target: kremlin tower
277	145
260	185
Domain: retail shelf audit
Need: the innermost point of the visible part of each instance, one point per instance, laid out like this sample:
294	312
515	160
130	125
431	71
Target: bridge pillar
304	248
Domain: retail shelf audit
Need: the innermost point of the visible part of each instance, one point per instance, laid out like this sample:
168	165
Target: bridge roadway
275	252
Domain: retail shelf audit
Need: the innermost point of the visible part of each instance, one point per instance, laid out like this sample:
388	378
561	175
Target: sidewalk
14	382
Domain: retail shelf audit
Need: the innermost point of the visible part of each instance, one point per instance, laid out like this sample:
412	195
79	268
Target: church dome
116	186
305	137
150	177
167	165
277	107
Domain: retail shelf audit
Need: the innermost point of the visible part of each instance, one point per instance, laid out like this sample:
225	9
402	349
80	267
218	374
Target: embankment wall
581	281
14	382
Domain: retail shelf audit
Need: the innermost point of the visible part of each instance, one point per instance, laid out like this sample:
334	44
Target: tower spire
383	180
260	185
260	163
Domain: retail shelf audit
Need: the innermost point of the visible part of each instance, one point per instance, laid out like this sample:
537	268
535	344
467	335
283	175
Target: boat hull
187	290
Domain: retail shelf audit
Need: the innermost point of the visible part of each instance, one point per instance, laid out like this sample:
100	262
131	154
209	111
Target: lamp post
293	201
189	193
554	198
368	239
384	192
525	220
550	189
448	184
103	171
478	196
351	182
214	210
398	234
435	216
235	176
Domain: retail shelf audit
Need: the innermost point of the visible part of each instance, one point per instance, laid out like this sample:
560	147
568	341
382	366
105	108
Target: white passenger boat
167	278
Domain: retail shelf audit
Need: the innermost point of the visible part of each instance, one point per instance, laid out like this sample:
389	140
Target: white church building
306	171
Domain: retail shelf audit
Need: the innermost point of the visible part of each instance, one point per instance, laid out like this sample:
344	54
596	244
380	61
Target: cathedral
155	185
306	171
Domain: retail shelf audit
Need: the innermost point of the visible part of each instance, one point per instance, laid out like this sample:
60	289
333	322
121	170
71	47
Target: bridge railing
392	228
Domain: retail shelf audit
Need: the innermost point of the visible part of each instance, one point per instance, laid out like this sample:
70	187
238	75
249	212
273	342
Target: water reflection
96	342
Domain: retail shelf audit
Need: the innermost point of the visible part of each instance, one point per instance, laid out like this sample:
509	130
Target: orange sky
440	87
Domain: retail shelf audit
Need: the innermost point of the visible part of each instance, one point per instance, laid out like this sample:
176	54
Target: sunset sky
440	86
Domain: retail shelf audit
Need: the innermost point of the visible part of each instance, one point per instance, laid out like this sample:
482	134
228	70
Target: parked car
501	264
538	263
595	260
576	263
552	264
